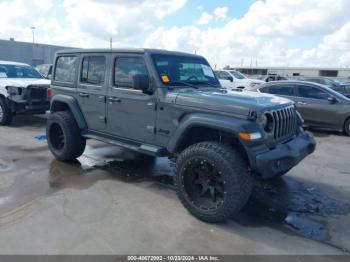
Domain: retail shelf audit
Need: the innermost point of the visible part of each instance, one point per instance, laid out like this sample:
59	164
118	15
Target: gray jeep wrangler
162	103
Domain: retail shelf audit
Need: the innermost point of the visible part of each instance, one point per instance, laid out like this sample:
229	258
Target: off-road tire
63	124
347	127
7	116
234	171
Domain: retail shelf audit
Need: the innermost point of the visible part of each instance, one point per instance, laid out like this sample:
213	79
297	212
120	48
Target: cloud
271	31
204	19
87	23
264	34
16	17
221	12
122	20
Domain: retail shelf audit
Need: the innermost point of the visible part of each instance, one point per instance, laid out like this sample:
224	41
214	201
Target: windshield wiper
183	83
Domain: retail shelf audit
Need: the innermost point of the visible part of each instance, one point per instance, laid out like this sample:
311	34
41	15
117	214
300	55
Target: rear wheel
5	113
347	127
212	181
63	136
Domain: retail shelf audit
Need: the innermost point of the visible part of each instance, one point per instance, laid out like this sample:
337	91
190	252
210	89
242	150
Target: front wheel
212	181
63	136
347	127
5	113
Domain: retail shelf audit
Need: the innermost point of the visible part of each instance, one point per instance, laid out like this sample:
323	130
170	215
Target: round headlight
267	122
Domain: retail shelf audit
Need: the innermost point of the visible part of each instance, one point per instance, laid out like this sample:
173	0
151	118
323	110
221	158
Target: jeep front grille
285	122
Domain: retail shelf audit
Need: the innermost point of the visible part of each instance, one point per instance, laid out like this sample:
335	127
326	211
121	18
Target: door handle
114	99
302	103
83	95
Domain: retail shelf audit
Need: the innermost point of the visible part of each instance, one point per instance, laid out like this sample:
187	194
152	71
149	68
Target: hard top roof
125	50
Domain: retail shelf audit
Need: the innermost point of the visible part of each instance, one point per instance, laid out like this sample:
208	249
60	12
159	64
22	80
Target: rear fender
72	104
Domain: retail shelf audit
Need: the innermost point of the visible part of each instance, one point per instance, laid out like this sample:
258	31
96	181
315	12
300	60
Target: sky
308	33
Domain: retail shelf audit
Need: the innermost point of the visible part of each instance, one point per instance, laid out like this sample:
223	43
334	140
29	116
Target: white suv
231	79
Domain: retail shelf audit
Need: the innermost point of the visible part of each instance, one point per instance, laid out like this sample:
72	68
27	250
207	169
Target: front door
92	90
312	103
131	114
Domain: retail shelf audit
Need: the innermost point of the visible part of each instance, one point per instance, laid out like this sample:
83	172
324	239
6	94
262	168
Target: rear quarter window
65	69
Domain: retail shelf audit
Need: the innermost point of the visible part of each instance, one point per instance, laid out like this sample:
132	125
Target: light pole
33	29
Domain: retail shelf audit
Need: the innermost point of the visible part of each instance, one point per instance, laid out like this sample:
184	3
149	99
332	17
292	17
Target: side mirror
332	100
141	82
230	78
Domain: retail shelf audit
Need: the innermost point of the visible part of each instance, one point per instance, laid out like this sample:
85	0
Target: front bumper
285	156
30	100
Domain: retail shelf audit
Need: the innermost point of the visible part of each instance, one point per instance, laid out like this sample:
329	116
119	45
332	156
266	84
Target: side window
93	70
125	68
312	92
65	69
347	89
224	75
284	90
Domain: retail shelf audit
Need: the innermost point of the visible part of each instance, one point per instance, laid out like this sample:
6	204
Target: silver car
320	106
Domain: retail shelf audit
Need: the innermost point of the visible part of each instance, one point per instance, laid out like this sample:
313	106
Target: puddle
307	227
289	204
4	165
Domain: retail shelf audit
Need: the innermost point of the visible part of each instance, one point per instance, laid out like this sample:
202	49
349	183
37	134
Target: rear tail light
49	93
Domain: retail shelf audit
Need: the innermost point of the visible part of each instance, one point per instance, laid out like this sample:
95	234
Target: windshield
18	71
238	75
183	70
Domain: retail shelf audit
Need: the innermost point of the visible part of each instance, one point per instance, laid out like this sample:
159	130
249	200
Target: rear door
315	108
284	90
92	90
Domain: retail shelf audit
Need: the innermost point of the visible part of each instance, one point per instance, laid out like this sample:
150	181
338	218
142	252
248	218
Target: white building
256	72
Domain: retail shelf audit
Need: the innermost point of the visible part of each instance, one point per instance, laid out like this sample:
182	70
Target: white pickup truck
231	79
22	91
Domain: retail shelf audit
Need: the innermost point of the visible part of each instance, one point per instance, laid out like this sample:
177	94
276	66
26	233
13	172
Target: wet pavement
113	201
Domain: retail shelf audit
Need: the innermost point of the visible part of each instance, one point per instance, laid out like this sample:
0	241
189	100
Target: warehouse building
257	72
29	53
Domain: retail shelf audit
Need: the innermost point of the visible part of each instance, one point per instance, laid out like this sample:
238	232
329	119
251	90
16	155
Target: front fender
73	106
222	123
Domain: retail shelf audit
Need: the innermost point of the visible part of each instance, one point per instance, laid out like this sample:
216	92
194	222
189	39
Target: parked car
22	91
45	70
319	105
273	77
322	81
231	79
344	89
162	103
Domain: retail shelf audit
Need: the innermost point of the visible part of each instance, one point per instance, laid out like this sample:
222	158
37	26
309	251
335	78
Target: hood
24	82
241	103
249	80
